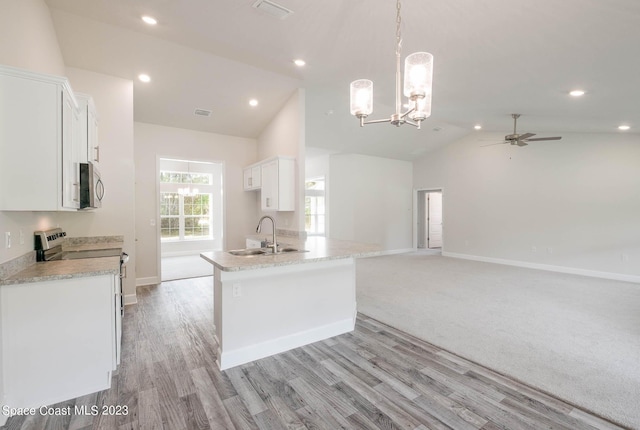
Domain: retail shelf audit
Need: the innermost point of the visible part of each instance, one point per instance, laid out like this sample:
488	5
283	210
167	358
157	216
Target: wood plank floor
373	378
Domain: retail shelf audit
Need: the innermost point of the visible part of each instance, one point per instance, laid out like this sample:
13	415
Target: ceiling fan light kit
418	79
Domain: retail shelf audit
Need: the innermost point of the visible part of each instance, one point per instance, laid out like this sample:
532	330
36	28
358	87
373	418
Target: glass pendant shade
418	75
422	108
361	97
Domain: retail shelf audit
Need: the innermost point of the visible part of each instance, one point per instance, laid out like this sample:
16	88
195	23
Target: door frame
416	230
157	201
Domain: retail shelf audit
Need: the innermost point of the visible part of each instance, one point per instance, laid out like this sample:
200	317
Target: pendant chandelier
188	191
418	77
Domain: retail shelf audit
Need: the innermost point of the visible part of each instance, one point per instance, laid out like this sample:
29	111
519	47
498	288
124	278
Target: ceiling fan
522	139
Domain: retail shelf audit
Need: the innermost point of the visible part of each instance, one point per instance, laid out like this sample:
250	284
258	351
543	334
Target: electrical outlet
21	237
7	239
625	258
236	290
534	249
152	222
550	250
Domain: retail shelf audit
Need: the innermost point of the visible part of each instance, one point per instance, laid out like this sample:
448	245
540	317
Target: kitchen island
271	303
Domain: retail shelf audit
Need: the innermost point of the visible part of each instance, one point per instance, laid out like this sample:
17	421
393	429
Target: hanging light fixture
188	191
418	77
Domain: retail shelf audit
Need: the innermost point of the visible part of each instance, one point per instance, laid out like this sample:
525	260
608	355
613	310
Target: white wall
371	200
27	37
285	135
578	198
153	141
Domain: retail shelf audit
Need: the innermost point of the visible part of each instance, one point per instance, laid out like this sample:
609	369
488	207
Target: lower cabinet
59	339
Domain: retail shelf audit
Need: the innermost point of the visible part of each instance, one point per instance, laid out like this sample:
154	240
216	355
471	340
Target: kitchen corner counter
65	269
319	249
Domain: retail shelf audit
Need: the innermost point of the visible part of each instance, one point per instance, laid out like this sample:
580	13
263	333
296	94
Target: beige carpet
184	267
572	336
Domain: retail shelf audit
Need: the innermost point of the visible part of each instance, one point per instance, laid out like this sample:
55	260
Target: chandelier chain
398	33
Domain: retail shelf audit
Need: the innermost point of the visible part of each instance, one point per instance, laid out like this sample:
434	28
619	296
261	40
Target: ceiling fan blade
537	139
521	143
526	136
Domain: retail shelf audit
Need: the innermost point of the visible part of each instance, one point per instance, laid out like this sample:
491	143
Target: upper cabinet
88	130
39	121
278	184
252	177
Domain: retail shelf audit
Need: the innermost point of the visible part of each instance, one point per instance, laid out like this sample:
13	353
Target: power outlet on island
236	290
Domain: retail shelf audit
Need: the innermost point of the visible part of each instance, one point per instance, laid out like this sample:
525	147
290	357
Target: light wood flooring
373	378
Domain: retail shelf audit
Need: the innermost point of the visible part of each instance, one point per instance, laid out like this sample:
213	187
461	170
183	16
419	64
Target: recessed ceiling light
144	78
299	62
149	20
477	127
576	93
253	102
623	127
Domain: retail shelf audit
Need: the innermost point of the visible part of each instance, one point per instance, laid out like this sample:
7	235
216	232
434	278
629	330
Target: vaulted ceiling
492	58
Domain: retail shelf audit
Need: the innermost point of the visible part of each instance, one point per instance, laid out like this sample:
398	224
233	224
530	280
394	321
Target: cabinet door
246	174
256	176
93	145
269	195
70	154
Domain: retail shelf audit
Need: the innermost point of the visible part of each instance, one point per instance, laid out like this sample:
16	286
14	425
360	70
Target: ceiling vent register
273	9
202	112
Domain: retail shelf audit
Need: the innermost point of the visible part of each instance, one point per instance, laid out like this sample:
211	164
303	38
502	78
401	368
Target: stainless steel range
48	245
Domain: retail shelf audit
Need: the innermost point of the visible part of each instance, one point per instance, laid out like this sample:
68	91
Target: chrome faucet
273	222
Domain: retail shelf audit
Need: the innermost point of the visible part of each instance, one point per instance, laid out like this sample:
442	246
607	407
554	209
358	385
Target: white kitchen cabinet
88	131
278	184
38	159
252	177
58	338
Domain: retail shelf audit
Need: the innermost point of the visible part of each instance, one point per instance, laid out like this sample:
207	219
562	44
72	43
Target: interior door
435	220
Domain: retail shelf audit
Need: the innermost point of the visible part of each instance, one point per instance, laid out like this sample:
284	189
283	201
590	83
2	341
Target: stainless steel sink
289	249
252	252
247	252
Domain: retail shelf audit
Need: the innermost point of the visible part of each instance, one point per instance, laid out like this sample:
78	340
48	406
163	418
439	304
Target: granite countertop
65	269
92	246
32	271
319	249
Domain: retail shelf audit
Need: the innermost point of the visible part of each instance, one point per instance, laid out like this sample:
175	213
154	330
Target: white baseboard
151	280
250	353
549	267
397	251
130	299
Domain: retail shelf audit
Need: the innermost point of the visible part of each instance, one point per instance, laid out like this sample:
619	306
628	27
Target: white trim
247	354
130	299
414	227
397	251
151	280
549	267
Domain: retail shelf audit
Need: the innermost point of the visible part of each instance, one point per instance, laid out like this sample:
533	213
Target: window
185	212
314	208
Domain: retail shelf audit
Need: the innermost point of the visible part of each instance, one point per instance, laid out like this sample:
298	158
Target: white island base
265	311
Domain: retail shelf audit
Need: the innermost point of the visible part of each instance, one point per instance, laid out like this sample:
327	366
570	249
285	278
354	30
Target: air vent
202	112
272	9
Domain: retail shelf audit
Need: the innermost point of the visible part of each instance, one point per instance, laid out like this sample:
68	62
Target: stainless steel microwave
91	187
